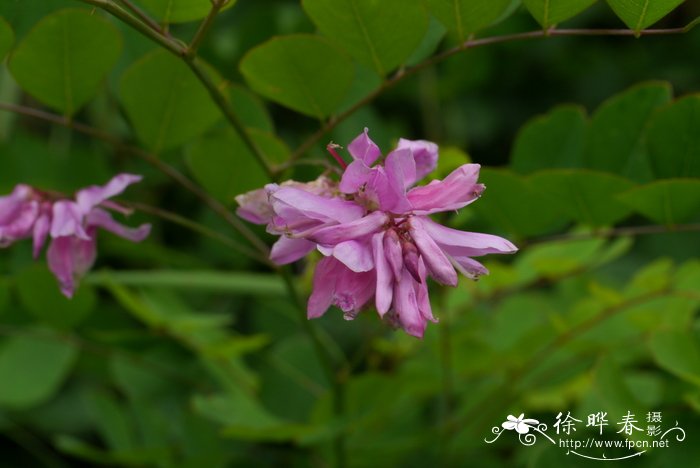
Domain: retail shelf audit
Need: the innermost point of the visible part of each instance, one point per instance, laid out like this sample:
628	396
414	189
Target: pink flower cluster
71	223
374	231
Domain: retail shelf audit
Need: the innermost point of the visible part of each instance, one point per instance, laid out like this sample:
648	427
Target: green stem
216	6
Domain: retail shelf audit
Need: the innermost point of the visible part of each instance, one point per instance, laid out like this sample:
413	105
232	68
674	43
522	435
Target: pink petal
101	218
254	206
90	197
468	267
357	256
18	224
425	154
293	204
12	203
422	296
465	244
394	253
364	149
385	279
69	258
287	250
41	232
325	277
353	291
438	264
356	176
456	191
400	171
406	306
362	227
67	220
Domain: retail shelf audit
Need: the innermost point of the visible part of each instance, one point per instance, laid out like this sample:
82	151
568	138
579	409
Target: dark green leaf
303	72
678	352
666	201
464	17
63	60
179	11
251	111
32	368
165	102
554	140
640	14
673	139
616	130
551	12
584	196
40	296
380	34
7	37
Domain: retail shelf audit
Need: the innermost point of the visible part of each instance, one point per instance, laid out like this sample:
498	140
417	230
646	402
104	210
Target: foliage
190	350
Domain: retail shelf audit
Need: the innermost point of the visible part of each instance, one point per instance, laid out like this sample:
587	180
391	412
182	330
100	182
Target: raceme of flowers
70	223
374	231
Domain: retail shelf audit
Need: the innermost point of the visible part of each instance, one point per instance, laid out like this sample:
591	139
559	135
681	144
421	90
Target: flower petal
67	220
466	244
69	258
364	149
353	291
92	196
254	206
438	264
357	256
508	425
287	250
339	233
325	277
406	306
101	218
41	232
12	203
19	223
385	279
394	252
293	204
355	176
468	266
422	296
400	169
455	191
425	154
522	428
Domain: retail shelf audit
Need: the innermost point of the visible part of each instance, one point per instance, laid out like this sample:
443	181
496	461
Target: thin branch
216	6
143	17
163	167
403	73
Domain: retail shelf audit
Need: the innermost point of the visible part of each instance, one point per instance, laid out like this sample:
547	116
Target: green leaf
464	17
617	127
554	140
677	352
180	11
7	37
666	201
40	296
510	203
165	102
640	14
224	166
32	368
551	12
584	196
303	72
380	34
250	109
63	60
673	140
112	420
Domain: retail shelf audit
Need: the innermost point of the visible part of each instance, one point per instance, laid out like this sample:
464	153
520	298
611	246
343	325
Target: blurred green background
180	352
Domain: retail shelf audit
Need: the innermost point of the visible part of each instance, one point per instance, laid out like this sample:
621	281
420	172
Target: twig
469	44
141	15
216	6
163	167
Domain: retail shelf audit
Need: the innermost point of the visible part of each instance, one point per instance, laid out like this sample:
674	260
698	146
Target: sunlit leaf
303	72
63	60
380	34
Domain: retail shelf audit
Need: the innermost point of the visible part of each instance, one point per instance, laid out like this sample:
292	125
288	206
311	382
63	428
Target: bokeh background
181	352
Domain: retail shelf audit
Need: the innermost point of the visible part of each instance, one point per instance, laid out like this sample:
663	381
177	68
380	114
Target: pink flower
71	224
377	236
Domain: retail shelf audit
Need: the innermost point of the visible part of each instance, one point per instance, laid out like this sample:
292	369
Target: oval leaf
180	11
616	130
586	197
678	352
554	140
32	368
7	37
666	201
380	34
551	12
63	60
302	72
673	140
640	14
464	17
165	102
